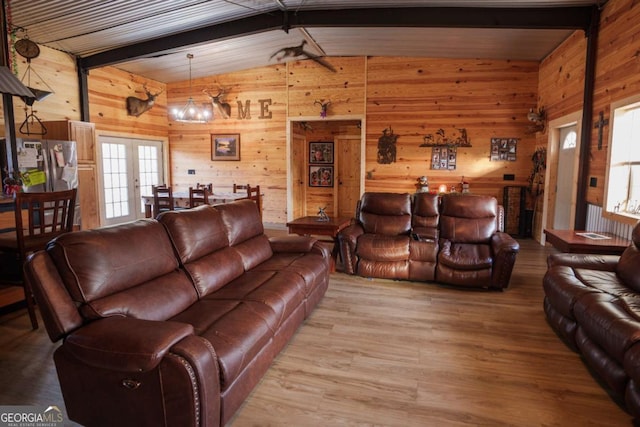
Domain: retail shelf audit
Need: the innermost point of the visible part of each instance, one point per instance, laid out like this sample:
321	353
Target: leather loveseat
173	321
593	303
451	239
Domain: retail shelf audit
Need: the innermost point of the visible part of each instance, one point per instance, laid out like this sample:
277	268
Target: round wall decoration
27	48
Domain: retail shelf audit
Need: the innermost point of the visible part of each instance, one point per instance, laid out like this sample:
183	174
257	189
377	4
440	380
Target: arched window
569	141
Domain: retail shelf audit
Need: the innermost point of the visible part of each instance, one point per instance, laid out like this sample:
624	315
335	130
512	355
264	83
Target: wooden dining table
181	200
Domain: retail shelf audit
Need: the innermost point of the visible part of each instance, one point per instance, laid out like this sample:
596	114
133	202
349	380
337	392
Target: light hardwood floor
392	353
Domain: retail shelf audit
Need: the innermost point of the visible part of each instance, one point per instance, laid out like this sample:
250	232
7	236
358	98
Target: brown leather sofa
593	303
452	239
173	321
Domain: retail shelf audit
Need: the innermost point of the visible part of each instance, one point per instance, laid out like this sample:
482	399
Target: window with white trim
622	195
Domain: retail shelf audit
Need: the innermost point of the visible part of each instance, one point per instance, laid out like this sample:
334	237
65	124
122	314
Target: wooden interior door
298	172
348	176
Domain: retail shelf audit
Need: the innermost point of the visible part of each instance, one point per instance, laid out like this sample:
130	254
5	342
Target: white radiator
595	222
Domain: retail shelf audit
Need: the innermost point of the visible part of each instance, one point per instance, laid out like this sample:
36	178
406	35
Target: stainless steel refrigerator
43	165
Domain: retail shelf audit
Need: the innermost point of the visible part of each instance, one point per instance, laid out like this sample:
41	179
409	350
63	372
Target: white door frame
553	142
99	168
363	146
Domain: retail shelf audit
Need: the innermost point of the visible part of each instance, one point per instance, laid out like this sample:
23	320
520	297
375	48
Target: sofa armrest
501	241
586	261
125	344
504	248
292	243
347	242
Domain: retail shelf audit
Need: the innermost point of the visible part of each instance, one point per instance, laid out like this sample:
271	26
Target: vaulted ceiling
151	38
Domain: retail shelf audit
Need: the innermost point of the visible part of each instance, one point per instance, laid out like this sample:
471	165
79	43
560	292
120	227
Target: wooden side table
310	226
578	242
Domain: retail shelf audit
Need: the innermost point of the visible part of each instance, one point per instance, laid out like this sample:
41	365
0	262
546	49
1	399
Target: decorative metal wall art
387	147
440	140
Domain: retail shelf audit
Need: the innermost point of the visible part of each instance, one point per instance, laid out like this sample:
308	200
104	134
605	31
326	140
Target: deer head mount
218	101
137	106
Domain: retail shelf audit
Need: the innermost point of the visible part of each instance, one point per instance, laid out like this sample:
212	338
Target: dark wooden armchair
40	217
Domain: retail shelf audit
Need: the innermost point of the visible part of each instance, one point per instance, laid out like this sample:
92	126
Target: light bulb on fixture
190	113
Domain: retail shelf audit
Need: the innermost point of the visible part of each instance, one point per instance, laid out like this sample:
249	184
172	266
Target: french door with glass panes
129	168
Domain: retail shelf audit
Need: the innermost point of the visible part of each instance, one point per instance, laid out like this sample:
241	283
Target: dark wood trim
587	119
83	87
578	18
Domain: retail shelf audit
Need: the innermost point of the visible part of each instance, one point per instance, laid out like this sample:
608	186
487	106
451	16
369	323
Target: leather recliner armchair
380	242
473	250
454	239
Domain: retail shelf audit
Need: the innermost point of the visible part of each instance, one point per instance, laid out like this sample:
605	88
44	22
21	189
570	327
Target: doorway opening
333	179
128	168
561	177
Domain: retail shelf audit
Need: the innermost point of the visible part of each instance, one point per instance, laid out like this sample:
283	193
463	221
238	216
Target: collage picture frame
321	169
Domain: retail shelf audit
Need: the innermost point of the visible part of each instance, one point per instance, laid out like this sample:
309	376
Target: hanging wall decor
504	149
387	146
321	152
444	158
320	176
439	139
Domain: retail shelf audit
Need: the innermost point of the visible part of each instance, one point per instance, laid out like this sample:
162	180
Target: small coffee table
587	242
310	226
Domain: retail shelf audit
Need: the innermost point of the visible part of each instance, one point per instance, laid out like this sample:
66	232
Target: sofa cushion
627	267
310	267
128	270
281	291
157	299
246	232
238	330
215	270
242	317
385	213
468	218
377	247
462	256
195	232
425	218
200	238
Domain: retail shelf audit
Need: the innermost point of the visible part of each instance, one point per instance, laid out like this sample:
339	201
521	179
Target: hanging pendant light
191	113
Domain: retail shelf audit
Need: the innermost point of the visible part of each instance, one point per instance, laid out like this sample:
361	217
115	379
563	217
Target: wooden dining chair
237	188
162	199
253	193
208	186
198	196
39	217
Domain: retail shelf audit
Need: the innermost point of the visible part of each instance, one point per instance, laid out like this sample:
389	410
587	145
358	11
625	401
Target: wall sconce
443	188
538	119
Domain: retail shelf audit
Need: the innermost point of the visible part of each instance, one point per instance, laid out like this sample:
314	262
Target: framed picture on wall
225	147
321	152
320	176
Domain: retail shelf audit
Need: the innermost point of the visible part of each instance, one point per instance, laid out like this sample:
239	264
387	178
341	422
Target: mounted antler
218	101
137	106
324	107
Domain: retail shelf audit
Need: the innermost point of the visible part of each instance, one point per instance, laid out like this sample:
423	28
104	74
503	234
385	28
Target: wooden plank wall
108	89
418	96
261	124
413	96
617	77
57	70
560	92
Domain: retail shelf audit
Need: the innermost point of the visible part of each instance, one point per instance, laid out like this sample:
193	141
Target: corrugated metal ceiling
94	26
